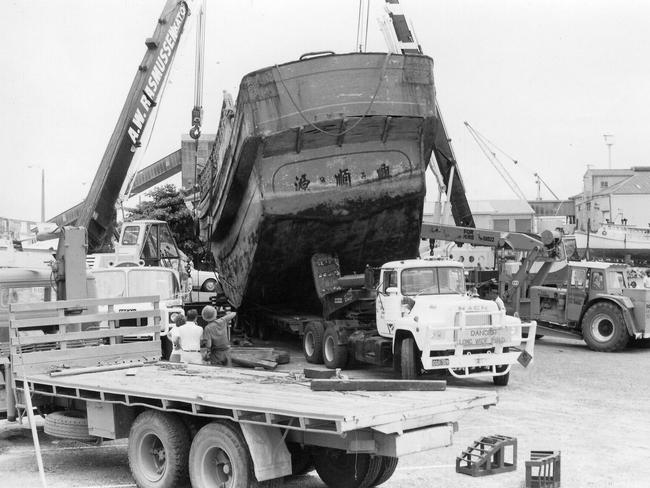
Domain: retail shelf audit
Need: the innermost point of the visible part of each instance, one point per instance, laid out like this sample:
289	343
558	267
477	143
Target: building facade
619	196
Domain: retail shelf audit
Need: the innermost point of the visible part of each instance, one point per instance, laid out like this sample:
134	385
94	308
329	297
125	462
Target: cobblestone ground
593	407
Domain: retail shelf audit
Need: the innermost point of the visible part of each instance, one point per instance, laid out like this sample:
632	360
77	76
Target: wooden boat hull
324	155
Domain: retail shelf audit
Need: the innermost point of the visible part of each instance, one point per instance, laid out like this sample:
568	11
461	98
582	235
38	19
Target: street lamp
609	142
42	189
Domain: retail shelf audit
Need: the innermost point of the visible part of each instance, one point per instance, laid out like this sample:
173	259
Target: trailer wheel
409	362
501	380
603	328
334	355
312	343
68	424
219	457
158	447
301	461
388	466
339	469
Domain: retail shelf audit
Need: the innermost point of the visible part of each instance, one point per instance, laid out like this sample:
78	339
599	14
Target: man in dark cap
215	341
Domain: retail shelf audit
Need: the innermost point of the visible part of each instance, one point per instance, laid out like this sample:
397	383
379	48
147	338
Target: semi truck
416	316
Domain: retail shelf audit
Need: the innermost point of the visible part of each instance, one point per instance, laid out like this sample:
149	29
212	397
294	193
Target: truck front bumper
465	363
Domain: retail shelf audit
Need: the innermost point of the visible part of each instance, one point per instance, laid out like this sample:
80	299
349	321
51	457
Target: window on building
604	184
588	206
523	225
501	224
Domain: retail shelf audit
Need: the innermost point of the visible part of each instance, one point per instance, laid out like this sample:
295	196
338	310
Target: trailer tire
157	451
339	469
409	362
68	424
219	456
388	466
312	343
501	380
334	355
301	461
603	328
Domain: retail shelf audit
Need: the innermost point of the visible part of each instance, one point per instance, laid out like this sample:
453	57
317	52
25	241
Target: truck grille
474	319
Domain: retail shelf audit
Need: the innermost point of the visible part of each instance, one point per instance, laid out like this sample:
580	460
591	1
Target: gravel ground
593	407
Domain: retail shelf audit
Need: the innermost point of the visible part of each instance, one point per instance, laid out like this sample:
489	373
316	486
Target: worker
186	337
215	344
494	295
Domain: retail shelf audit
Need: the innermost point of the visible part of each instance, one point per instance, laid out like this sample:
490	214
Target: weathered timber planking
252	362
377	385
45	361
87	334
319	373
84	318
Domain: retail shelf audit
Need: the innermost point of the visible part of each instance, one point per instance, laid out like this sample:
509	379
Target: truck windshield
110	284
130	235
153	282
616	280
433	281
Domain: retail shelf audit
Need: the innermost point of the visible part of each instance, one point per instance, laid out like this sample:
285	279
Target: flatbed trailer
217	425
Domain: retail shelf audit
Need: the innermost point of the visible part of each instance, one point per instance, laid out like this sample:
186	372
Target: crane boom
406	43
492	157
99	207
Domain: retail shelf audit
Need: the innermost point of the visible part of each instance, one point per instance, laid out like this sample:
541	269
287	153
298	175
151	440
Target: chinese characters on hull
342	178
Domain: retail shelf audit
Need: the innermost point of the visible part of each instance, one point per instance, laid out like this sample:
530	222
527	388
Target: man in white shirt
646	279
494	295
188	337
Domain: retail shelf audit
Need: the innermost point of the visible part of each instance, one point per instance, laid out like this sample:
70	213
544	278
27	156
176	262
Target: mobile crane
146	242
590	300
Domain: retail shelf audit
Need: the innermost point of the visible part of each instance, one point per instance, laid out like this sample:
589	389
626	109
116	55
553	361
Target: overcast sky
543	80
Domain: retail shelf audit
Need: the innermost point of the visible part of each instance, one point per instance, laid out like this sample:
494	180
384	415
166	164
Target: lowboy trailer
217	426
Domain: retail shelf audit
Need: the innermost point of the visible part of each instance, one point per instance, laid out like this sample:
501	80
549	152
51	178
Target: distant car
205	281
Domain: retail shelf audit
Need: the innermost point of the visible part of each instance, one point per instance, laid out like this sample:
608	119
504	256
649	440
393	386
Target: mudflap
271	458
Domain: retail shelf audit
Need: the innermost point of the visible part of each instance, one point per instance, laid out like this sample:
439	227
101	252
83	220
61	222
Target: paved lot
593	407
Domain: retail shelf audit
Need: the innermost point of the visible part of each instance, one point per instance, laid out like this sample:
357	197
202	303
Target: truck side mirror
391	290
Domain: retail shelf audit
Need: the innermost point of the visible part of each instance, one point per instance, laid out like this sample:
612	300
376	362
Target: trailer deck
69	360
257	397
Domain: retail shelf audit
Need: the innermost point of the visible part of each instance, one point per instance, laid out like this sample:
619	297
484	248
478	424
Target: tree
167	204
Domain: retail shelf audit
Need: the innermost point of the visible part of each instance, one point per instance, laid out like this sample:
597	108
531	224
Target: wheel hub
154	457
328	349
217	468
602	328
309	343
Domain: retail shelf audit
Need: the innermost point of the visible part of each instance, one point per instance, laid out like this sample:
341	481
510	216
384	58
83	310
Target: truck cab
434	323
596	303
146	243
133	281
